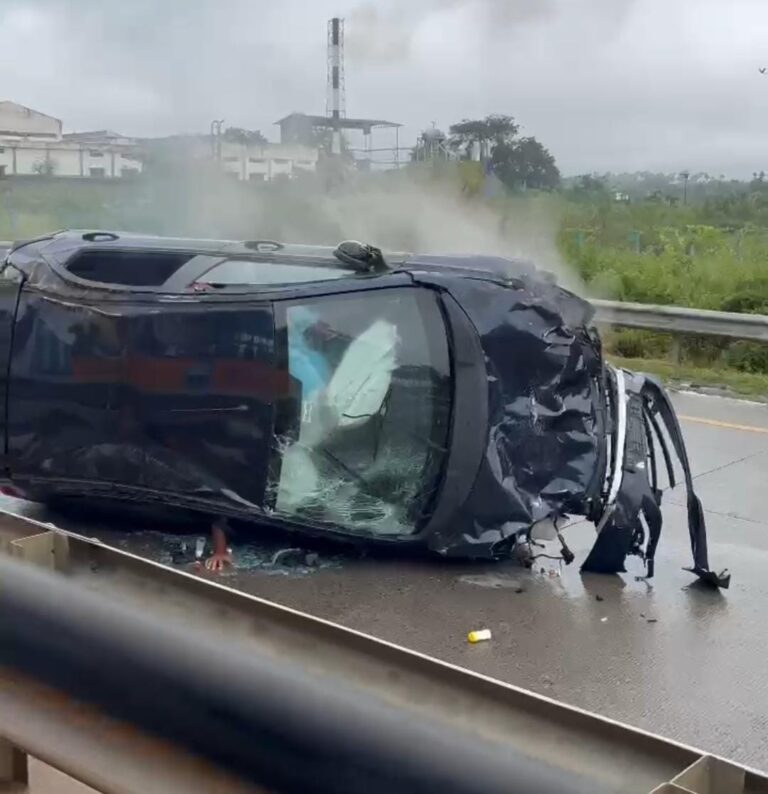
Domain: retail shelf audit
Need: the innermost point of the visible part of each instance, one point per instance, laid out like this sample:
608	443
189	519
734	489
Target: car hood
545	443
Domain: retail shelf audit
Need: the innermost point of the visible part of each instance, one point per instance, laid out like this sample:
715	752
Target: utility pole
216	125
686	176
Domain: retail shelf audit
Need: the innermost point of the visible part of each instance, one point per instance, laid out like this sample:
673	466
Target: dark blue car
453	402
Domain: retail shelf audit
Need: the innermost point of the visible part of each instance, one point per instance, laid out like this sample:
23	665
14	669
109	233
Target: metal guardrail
677	319
129	677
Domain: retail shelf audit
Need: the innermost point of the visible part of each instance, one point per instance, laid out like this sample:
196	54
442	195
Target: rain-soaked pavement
671	657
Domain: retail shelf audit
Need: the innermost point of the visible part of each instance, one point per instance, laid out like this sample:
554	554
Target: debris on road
481	635
493	580
170	549
312	559
291	556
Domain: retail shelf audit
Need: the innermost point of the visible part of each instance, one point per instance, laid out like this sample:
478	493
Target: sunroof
127	268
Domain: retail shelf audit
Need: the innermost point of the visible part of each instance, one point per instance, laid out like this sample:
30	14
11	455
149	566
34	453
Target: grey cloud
380	35
603	83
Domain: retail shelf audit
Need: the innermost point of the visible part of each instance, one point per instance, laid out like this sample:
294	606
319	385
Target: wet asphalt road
674	658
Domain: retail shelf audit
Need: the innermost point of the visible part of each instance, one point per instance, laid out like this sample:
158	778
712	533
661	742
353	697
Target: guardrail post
13	765
675	351
48	550
44	779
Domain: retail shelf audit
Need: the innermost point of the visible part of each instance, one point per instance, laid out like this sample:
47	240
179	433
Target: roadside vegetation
710	252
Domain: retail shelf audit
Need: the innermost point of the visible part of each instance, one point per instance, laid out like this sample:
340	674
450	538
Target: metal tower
335	106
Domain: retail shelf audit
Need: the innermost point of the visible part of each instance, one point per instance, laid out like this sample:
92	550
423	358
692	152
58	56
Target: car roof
62	245
58	248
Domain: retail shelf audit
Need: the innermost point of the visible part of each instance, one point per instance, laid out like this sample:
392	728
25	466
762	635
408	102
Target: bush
750	297
748	357
633	343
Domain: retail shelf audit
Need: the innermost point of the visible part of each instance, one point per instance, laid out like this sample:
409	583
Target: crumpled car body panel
556	413
543	451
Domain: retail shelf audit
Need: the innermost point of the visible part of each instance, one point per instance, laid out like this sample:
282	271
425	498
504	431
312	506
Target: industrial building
32	143
267	161
244	160
308	129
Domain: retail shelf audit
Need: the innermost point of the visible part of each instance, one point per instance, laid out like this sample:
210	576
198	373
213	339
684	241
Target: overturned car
455	402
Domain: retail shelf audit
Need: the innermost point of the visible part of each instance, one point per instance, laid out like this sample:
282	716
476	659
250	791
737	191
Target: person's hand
218	561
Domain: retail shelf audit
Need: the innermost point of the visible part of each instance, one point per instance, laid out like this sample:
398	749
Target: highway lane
670	657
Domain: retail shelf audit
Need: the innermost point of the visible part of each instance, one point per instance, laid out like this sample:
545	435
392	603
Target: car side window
366	446
234	272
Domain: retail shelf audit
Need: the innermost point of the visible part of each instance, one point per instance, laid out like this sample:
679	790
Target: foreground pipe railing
257	716
105	692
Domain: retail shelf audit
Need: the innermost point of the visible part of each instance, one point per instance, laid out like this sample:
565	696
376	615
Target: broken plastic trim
632	520
662	405
621	435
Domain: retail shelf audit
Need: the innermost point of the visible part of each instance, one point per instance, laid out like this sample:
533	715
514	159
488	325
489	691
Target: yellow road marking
727	425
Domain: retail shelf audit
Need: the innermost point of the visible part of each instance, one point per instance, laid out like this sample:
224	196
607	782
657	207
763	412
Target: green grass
746	384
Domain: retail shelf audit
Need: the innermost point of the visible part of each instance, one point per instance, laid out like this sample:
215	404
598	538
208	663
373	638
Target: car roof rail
261	245
361	257
98	237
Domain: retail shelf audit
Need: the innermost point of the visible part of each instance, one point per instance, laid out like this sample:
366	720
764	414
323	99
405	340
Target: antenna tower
335	104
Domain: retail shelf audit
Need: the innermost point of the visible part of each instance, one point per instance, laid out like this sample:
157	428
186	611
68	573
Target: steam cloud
398	212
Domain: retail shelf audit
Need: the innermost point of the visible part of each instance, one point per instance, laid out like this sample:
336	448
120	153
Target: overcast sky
604	84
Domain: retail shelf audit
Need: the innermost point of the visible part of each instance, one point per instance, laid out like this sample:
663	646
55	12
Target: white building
266	161
32	143
243	160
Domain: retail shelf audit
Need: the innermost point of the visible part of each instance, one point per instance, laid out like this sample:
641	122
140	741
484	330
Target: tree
240	135
517	162
45	167
495	130
525	163
589	184
758	183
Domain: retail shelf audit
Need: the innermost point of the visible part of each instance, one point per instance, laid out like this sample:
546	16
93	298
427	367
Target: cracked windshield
372	423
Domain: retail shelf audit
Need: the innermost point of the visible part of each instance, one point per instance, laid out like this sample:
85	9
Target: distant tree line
520	162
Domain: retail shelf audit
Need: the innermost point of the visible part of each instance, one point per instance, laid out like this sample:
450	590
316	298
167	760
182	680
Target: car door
66	426
202	375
